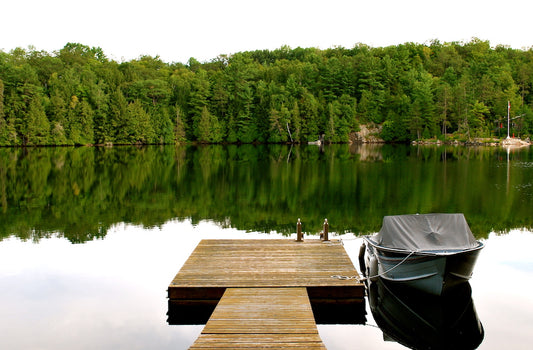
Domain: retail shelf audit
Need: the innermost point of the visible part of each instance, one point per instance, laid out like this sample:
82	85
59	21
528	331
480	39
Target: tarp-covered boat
431	252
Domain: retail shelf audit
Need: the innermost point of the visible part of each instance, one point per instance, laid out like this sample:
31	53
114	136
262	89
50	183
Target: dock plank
251	318
265	263
268	293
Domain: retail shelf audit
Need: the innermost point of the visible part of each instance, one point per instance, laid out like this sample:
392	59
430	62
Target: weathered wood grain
266	288
251	318
265	263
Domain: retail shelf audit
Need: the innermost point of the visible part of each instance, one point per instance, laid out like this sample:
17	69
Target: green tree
216	130
443	103
179	127
162	124
424	106
150	91
203	131
277	119
99	100
57	110
477	121
1	99
80	128
231	135
75	53
330	133
138	128
58	135
462	96
3	123
296	122
209	129
199	99
309	112
9	132
118	117
370	105
38	126
246	131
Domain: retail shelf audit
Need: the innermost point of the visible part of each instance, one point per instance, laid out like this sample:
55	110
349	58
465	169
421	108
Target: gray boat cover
425	232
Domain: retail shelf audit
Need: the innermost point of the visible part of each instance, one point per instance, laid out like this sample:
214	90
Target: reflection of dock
265	292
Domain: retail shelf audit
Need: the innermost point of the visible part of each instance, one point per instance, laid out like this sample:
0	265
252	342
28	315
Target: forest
446	91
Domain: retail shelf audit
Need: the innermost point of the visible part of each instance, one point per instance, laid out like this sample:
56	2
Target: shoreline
511	143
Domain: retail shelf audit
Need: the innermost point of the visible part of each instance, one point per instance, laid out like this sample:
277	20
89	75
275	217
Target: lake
90	238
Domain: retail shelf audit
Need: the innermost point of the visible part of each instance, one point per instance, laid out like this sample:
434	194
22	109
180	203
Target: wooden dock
261	318
267	293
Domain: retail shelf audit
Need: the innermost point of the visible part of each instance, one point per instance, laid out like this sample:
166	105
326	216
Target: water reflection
325	311
190	313
422	321
110	293
80	193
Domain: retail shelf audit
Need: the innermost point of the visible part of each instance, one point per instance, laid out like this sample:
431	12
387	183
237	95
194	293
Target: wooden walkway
251	318
219	264
254	284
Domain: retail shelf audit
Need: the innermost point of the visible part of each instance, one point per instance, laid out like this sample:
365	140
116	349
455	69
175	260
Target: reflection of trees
81	192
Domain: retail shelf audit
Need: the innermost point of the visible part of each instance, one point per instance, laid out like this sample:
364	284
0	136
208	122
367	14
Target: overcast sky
176	30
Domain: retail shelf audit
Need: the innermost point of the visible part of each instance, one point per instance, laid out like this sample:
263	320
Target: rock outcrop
367	134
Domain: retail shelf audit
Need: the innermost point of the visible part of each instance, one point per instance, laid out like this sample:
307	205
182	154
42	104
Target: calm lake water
90	238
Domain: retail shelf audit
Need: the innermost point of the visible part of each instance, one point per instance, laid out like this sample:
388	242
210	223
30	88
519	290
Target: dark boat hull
432	273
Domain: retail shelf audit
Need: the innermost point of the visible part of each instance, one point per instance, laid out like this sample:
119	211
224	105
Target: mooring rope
361	279
340	242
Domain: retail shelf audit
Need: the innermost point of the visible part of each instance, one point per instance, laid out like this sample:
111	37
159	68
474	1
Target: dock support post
299	236
326	230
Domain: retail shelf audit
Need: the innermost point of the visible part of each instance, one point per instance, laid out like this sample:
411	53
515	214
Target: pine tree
203	132
162	124
38	127
246	132
296	123
80	125
275	126
138	128
231	136
198	100
331	130
179	127
118	120
1	100
3	123
215	129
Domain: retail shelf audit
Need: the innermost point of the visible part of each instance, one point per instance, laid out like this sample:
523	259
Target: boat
431	252
419	320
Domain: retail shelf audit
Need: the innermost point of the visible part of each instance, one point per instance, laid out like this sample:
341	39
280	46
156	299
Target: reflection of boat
431	252
423	321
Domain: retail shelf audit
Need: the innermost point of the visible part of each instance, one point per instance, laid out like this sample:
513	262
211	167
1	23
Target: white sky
177	30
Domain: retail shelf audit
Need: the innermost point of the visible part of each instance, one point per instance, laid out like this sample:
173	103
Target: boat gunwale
425	252
409	279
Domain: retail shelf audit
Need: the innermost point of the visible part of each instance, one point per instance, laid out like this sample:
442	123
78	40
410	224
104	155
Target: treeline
78	96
